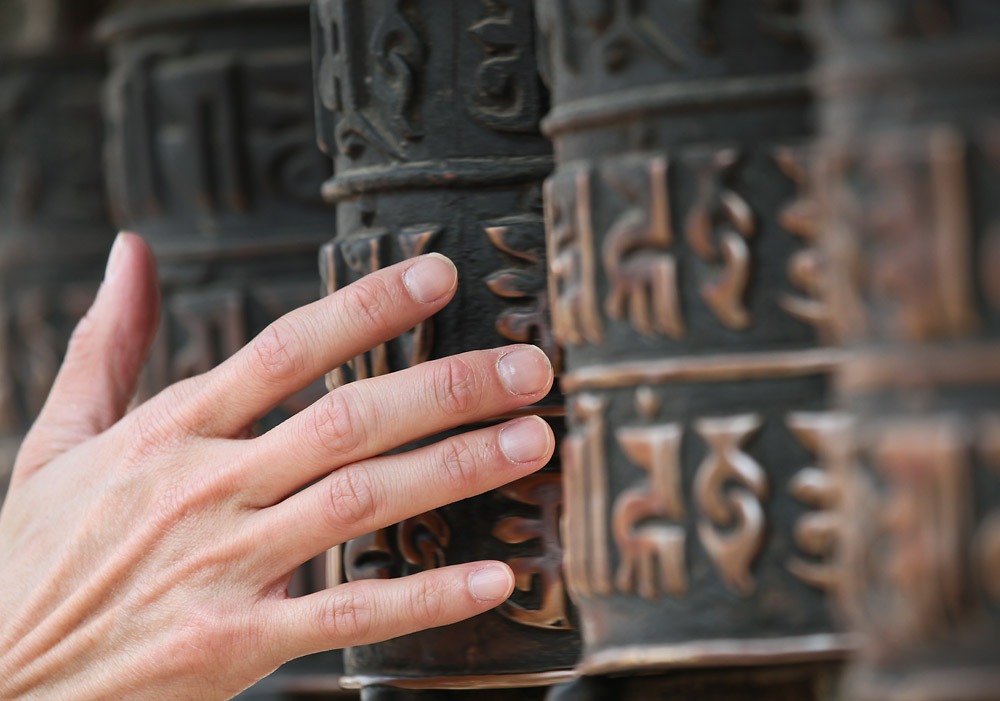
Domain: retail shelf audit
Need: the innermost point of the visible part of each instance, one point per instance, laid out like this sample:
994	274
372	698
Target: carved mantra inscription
922	566
640	252
348	260
525	319
369	108
507	94
222	131
648	522
912	281
422	543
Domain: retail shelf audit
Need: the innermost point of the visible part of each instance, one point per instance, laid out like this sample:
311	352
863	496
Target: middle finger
372	494
376	415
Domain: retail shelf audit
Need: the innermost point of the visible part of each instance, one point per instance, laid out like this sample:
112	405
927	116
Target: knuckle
366	301
177	409
348	617
426	602
460	461
275	352
333	426
456	387
350	499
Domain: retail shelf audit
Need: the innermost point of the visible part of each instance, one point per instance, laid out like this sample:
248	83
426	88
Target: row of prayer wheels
759	240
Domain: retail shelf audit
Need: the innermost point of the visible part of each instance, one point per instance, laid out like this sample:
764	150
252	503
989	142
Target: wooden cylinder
911	230
430	110
683	286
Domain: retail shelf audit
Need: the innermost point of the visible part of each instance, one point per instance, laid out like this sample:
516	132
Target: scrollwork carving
721	213
543	491
732	524
377	112
522	238
801	217
817	533
507	95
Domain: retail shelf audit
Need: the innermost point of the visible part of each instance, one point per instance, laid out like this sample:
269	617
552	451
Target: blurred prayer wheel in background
683	273
211	157
911	228
430	110
54	230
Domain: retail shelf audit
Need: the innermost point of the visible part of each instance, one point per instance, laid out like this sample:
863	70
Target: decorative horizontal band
203	249
675	97
920	368
456	172
719	653
923	683
720	368
481	681
171	18
953	62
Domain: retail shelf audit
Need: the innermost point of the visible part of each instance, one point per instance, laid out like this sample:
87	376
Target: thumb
106	353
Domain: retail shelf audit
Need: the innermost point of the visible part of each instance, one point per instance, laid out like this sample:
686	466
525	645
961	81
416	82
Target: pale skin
146	554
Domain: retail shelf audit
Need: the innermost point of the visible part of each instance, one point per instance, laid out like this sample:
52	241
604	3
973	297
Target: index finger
303	345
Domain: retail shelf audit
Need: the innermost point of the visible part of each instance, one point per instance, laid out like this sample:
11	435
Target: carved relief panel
211	157
430	112
687	287
908	221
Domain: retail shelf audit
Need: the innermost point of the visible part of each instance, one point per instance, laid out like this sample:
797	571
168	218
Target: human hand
148	554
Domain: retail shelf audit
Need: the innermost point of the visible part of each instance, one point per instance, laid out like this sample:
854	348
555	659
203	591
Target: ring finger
375	493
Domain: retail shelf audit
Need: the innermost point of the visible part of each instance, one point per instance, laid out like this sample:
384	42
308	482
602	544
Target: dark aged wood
430	111
211	157
54	231
683	286
911	225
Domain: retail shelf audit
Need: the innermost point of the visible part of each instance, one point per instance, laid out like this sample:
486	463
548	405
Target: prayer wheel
430	111
910	170
683	275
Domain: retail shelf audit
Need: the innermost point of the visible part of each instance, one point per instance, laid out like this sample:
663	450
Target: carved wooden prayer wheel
54	231
683	276
211	157
430	111
911	166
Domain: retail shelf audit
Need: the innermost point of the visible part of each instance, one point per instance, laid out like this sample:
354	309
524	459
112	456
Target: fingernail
525	371
525	440
491	583
114	258
430	278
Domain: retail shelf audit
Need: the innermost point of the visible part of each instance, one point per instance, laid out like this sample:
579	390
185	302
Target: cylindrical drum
430	111
54	231
911	227
211	157
683	278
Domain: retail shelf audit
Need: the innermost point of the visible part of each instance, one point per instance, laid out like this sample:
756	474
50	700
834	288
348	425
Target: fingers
376	493
303	345
371	417
105	355
369	611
